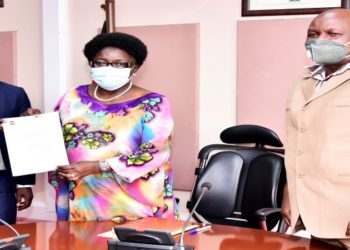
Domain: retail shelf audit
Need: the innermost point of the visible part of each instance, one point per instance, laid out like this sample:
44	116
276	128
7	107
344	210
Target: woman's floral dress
135	139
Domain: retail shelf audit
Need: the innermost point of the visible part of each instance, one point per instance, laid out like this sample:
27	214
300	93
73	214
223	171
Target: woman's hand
286	214
78	170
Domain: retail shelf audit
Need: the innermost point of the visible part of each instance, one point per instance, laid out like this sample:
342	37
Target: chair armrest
264	212
262	215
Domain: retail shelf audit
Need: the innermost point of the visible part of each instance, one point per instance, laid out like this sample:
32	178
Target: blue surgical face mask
110	78
325	52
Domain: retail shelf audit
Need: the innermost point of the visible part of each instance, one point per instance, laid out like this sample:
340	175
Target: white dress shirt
319	74
2	164
2	167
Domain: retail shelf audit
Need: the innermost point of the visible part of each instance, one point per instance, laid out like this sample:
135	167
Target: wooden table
83	235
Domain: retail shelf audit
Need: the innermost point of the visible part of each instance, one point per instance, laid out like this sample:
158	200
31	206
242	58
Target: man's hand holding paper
28	112
35	143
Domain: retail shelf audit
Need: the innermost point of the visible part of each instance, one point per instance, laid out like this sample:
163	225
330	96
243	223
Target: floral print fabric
135	139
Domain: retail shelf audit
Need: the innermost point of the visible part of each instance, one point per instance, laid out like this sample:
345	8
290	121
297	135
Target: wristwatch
104	166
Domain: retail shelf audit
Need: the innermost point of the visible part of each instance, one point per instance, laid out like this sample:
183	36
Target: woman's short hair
130	44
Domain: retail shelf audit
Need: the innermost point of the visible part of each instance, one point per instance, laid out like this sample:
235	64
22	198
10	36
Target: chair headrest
251	134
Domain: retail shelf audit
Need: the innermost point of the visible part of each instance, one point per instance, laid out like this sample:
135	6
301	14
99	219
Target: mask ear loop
346	44
309	53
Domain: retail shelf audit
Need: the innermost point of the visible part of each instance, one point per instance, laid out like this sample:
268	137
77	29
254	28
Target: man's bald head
331	25
337	13
338	18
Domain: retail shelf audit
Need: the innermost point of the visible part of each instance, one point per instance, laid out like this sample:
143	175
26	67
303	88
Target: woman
118	139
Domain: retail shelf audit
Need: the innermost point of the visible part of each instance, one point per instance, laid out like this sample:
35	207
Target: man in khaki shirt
317	155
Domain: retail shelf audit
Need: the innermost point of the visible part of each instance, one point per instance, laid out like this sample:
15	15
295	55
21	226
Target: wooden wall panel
172	69
271	55
8	56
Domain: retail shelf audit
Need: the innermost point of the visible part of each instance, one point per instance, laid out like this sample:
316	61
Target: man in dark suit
15	192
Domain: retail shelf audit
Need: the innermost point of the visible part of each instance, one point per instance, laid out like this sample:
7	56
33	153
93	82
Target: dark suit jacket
13	102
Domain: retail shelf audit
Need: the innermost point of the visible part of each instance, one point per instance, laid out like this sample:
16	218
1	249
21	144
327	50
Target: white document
109	234
35	143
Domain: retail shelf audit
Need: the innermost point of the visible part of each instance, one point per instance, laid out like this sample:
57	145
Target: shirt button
300	175
299	152
302	130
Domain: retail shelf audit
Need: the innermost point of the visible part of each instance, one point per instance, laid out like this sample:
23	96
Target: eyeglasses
118	64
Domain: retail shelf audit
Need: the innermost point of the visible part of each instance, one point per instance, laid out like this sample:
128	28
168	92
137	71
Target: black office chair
244	179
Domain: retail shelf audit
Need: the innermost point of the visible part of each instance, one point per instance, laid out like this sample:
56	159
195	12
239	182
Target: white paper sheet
109	234
35	143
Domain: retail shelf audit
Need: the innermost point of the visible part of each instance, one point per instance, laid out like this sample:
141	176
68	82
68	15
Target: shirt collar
318	72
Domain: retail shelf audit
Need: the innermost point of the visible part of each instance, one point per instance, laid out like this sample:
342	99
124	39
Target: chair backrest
243	179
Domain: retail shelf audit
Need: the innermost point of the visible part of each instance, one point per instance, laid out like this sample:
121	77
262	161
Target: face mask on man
325	52
110	78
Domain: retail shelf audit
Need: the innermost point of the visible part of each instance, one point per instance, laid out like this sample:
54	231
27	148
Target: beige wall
277	60
217	51
218	35
215	95
217	54
24	17
8	58
217	47
217	22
